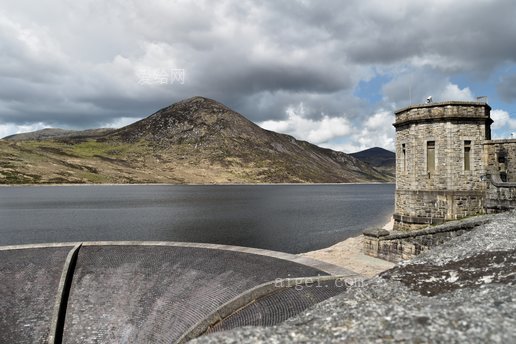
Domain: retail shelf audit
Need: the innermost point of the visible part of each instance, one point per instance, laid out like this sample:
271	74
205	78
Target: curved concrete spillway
133	292
29	280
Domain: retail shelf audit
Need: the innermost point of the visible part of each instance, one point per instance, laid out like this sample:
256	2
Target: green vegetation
14	177
91	148
196	141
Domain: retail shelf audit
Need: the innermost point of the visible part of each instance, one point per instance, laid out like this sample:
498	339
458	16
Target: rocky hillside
381	159
193	141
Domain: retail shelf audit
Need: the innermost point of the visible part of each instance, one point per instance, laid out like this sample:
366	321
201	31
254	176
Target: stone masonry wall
451	191
433	207
500	157
449	172
450	109
500	162
397	246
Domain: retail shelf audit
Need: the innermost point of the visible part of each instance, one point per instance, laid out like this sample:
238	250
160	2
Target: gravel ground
462	291
349	255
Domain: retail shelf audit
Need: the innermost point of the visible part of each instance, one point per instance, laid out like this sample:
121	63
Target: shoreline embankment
348	254
194	184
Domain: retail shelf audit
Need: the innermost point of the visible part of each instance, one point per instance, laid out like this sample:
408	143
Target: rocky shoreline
461	291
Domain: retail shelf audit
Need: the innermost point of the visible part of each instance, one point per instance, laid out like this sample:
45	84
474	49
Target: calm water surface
289	218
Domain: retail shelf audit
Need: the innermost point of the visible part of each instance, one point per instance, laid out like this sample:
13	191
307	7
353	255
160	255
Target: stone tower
439	166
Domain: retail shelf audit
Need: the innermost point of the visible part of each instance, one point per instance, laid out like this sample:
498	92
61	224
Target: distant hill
53	133
197	140
380	158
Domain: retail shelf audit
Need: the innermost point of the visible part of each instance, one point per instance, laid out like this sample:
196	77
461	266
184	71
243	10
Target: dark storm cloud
269	106
76	63
448	35
507	88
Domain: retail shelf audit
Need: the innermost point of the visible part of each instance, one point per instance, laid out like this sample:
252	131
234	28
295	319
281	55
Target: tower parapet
439	165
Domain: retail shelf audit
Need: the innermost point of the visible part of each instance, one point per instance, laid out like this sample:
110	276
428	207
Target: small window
430	156
467	155
404	155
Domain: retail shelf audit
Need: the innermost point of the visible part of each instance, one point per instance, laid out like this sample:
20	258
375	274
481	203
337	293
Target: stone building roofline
443	111
499	141
441	104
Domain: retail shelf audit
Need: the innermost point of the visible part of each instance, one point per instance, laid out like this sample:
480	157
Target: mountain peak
196	103
191	120
380	158
198	99
194	140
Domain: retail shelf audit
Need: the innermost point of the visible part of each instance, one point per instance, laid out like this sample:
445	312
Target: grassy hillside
194	141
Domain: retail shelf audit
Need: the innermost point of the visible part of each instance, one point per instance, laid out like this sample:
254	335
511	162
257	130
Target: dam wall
151	292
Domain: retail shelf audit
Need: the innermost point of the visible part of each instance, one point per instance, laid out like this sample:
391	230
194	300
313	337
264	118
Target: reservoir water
289	218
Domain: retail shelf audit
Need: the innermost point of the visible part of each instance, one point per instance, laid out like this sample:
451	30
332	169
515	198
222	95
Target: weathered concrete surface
138	292
150	294
462	291
28	284
283	304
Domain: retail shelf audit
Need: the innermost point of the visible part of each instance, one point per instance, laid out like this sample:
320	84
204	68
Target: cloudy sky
330	72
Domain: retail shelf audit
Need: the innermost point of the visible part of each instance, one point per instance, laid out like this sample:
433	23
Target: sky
329	72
